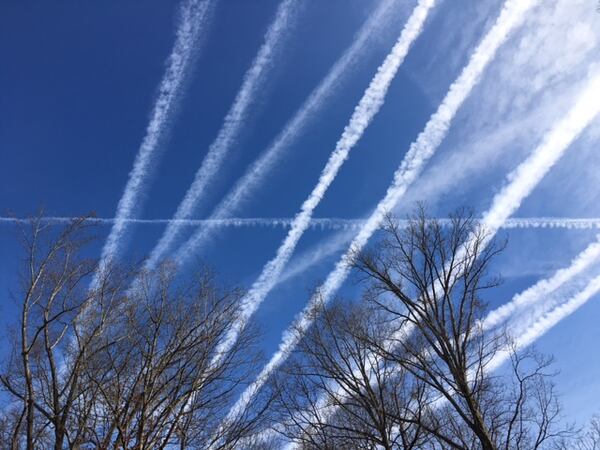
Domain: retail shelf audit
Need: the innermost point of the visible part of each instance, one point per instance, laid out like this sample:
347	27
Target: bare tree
586	439
436	275
336	393
54	291
162	382
135	362
411	366
116	366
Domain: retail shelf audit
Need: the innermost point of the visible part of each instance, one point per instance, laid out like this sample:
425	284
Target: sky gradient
82	82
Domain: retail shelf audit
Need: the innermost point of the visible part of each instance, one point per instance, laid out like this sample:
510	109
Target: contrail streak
194	15
309	110
525	334
540	323
548	320
321	223
526	177
368	106
544	287
334	244
421	150
555	143
234	121
362	116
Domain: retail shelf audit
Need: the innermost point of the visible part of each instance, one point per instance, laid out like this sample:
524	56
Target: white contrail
363	114
529	173
551	222
549	319
309	111
555	143
194	15
539	324
421	150
320	223
542	288
254	79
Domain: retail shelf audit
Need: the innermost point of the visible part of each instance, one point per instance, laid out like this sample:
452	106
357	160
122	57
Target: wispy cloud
510	115
523	180
193	21
529	173
308	112
323	249
335	243
527	89
254	79
421	150
579	117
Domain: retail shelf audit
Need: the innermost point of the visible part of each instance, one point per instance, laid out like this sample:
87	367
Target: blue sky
80	81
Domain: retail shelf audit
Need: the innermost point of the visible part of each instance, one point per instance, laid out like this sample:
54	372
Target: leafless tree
435	275
162	381
410	366
130	363
134	361
336	393
586	439
53	293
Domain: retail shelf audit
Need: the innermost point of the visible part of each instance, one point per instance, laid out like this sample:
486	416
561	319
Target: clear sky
79	81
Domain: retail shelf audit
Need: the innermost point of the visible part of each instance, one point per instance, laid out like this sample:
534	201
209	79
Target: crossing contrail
316	254
512	15
254	79
368	106
320	223
193	20
364	113
334	244
529	174
308	112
